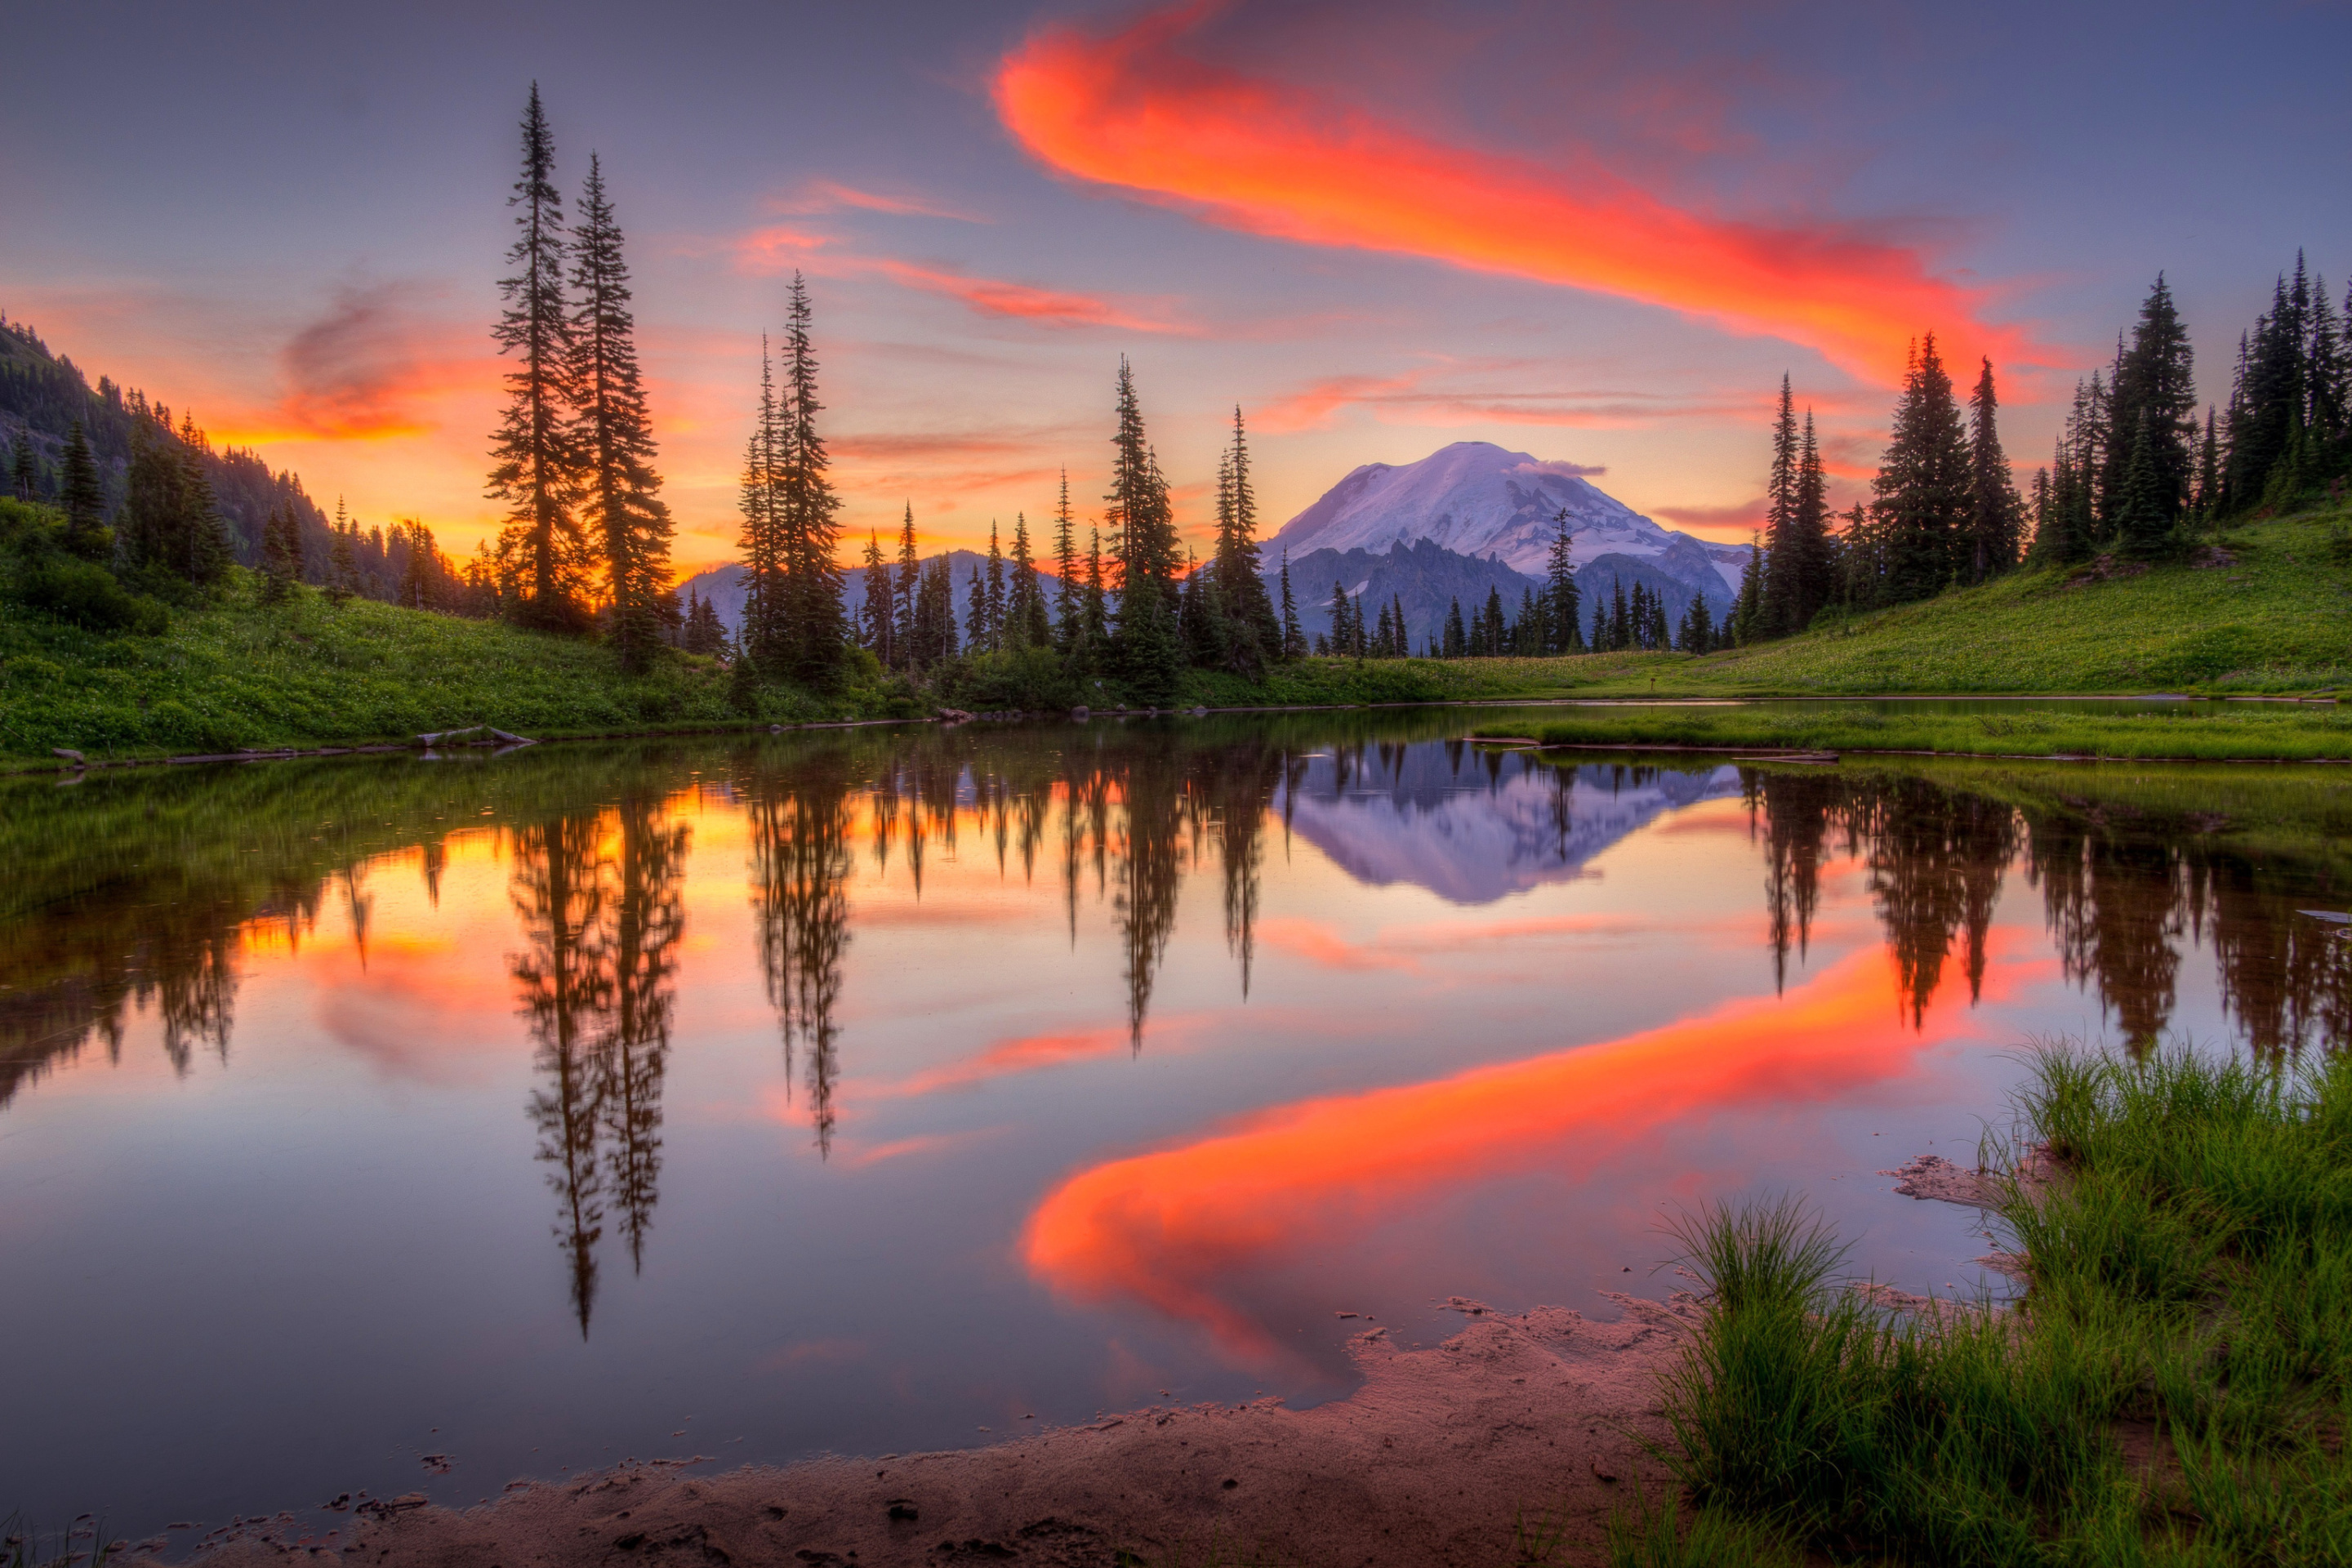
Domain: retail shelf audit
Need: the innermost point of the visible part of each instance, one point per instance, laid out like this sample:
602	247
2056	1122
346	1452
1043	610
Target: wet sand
1434	1460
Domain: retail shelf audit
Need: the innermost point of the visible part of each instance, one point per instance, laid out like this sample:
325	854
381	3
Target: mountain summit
1478	498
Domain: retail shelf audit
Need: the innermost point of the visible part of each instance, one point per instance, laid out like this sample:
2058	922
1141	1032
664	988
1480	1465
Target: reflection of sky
1443	824
1484	1065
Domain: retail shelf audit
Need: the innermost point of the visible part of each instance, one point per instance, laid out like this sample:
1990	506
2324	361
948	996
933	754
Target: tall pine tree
1923	485
816	633
535	463
1995	516
613	432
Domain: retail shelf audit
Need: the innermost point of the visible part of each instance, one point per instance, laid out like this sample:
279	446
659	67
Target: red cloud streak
1126	108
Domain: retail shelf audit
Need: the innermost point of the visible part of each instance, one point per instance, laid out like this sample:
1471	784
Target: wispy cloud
361	369
1129	109
830	195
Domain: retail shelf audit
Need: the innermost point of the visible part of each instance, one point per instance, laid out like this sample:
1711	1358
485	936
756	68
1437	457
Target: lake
413	1123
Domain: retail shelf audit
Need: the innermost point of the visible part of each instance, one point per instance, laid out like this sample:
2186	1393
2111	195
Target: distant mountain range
1466	520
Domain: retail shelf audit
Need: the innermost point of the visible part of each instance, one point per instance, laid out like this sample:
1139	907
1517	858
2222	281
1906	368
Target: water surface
878	1089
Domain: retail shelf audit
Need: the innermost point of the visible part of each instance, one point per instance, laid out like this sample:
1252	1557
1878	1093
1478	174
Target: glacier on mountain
1480	499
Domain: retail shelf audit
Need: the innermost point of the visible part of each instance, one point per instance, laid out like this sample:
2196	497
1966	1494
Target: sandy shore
1432	1461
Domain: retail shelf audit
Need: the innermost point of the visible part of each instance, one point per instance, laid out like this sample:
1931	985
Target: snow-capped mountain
1475	828
1478	498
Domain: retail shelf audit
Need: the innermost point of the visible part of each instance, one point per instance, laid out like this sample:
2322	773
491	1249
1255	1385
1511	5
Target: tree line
2135	472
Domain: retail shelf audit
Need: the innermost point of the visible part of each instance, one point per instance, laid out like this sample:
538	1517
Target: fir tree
611	432
1697	634
1564	632
343	567
1599	641
1922	483
1396	617
808	512
1783	568
2153	376
766	609
995	597
1067	629
2208	497
1028	626
1294	639
1094	614
877	625
417	580
1237	566
24	472
906	582
170	521
1457	635
2143	520
535	461
281	555
83	497
1744	623
975	616
1994	514
1620	617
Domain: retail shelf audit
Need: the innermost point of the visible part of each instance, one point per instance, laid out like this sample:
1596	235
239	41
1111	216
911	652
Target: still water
422	1124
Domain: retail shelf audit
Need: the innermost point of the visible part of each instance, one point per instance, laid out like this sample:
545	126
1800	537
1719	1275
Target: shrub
88	595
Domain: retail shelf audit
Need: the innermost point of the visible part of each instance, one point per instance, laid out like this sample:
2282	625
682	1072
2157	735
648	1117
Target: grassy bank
2205	731
2171	1391
235	673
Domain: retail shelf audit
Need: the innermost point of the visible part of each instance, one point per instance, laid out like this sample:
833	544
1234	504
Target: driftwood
498	736
69	754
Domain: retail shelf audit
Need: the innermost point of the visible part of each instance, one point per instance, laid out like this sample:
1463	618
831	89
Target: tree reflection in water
800	864
601	901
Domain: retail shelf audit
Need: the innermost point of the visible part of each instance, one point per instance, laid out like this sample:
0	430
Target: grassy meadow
2173	1389
2204	732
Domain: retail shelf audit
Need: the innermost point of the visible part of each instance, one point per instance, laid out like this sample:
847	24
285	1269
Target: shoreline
1439	1456
56	763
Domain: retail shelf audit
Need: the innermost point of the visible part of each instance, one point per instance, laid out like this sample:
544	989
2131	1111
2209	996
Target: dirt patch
1434	1460
2105	569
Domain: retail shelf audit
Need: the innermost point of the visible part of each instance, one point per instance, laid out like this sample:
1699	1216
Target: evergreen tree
1743	624
1620	618
83	497
343	568
170	521
975	615
995	597
1293	640
1599	641
1995	521
2143	520
2154	376
906	582
2207	496
1697	634
1067	626
419	581
535	462
1922	483
808	512
1396	617
1094	618
1812	559
1783	569
1237	566
281	555
877	626
1457	635
1028	626
24	472
1565	633
1342	636
766	607
611	432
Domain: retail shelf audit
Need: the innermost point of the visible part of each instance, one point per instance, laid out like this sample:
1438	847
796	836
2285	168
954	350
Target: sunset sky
1596	233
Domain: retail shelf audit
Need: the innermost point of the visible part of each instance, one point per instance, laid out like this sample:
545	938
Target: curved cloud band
1172	1228
1126	108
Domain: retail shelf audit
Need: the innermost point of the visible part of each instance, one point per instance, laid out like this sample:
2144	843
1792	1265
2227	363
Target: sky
1598	233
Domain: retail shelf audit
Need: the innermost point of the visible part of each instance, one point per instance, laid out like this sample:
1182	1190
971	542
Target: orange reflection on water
1168	1227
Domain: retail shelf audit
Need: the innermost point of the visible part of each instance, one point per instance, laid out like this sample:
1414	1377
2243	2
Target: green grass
235	673
2205	731
2173	1391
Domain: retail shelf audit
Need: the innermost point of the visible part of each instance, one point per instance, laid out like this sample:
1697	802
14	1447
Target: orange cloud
1024	302
829	195
1168	1227
1128	110
359	371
